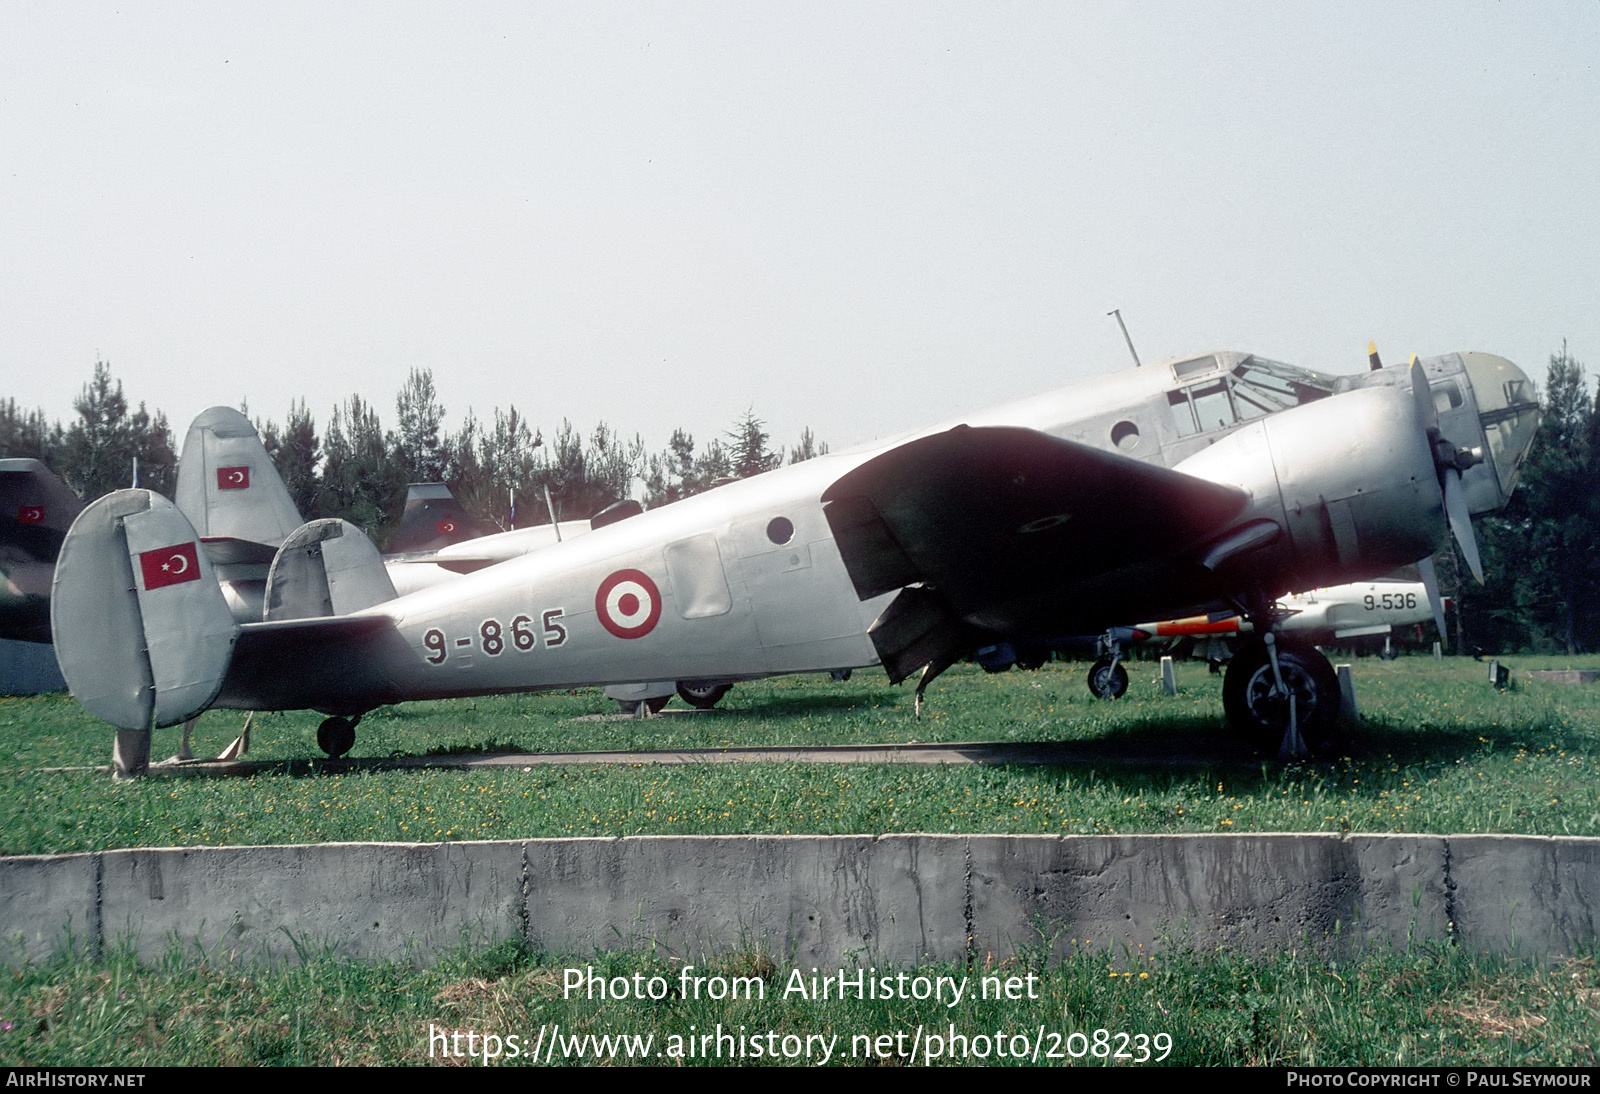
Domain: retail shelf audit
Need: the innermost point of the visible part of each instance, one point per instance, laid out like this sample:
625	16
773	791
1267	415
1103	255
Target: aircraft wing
1007	531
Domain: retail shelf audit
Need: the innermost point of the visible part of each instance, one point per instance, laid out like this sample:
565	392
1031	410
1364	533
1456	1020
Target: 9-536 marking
492	636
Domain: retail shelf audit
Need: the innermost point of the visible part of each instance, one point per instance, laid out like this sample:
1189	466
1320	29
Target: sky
855	217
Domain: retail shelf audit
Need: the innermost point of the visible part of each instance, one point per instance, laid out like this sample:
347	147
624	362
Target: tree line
1541	554
357	468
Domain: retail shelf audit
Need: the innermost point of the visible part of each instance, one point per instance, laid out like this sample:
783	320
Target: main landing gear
1283	696
1107	678
702	695
336	736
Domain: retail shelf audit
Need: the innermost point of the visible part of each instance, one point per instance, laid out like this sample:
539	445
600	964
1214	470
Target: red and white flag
233	478
169	566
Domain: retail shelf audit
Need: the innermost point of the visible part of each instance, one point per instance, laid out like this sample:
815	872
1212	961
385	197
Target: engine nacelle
1341	489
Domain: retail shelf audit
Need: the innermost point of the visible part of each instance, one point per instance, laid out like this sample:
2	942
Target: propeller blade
1430	582
1455	507
1372	356
1424	396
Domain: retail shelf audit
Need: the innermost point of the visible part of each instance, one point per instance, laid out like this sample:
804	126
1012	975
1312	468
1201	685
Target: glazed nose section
1509	412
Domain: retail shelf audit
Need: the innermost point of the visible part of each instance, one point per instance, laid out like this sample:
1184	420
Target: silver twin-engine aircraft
1207	483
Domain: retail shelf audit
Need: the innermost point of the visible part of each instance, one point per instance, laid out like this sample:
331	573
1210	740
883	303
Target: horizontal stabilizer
142	632
339	665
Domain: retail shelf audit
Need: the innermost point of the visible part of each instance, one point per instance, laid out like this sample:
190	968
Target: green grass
1430	1006
1440	752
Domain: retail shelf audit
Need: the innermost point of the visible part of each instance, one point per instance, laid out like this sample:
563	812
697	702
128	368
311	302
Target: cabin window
1125	435
780	530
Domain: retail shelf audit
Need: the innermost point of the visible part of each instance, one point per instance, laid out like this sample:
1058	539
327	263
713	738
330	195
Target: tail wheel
699	694
336	736
655	704
1260	711
1108	679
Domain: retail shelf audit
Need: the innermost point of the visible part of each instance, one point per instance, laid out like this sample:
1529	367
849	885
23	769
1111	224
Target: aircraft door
699	586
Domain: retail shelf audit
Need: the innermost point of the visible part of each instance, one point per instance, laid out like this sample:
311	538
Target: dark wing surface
1009	533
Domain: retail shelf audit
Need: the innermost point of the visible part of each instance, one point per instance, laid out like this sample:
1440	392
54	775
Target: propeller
1430	582
1450	461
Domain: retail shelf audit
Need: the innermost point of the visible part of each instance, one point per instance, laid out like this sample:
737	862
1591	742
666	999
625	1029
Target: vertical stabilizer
327	567
227	484
142	632
432	519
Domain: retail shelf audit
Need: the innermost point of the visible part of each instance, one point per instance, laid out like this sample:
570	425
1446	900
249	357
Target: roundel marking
628	604
1044	524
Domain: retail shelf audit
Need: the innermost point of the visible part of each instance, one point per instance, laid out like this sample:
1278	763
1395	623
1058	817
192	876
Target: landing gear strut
336	736
1283	696
1107	678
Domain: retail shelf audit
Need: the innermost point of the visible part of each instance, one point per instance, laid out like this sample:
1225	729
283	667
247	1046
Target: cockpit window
1255	388
1272	386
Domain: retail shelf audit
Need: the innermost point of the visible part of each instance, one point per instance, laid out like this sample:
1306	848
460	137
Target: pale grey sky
861	217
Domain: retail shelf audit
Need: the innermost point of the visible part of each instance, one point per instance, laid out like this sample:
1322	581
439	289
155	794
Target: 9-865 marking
492	636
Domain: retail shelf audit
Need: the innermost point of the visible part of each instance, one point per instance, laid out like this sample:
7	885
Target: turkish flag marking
446	527
30	514
169	566
233	478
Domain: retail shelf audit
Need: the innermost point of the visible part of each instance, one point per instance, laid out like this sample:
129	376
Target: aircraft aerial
1213	482
1320	617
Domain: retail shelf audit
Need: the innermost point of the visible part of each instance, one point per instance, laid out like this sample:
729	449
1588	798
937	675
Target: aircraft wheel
1032	659
1254	710
1107	680
1006	667
655	704
701	695
336	736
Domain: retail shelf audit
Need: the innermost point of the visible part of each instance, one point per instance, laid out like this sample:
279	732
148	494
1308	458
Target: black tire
1032	658
336	736
1107	680
1263	718
701	695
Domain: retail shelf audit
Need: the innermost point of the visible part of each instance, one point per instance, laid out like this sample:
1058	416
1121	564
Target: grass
1431	1006
1440	752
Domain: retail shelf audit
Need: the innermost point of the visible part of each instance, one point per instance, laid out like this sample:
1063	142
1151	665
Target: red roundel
628	604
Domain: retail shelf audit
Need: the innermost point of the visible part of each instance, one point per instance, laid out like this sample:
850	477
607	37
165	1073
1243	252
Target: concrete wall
813	900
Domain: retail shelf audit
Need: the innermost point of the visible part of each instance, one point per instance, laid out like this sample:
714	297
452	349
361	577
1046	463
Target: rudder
142	632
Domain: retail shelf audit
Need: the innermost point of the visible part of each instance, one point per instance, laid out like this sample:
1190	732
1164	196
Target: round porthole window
1125	435
780	530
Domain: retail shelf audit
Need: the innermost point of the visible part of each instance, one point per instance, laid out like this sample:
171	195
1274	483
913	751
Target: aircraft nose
1509	412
